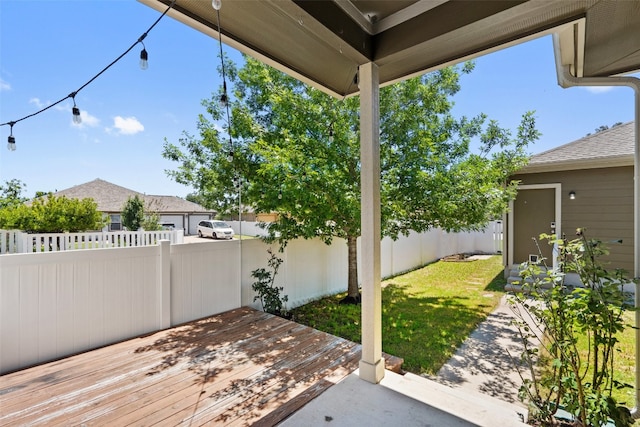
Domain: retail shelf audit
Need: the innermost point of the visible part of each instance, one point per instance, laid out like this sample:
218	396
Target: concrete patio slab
398	400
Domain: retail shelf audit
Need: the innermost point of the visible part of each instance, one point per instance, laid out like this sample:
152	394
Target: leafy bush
151	222
553	317
267	292
53	214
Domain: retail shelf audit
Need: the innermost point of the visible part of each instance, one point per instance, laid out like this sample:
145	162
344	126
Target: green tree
11	193
604	127
133	213
151	222
53	214
197	198
296	152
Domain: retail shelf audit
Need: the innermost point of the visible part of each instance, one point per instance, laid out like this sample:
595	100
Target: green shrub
267	292
554	319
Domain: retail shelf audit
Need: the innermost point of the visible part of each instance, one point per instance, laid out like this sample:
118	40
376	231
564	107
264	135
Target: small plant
267	292
151	222
557	321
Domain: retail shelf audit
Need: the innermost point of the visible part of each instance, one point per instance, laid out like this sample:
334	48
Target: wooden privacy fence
13	241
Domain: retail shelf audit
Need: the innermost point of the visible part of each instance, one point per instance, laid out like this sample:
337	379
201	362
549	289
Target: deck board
241	367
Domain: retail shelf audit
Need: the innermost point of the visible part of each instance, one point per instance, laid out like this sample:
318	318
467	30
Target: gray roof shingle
111	197
611	147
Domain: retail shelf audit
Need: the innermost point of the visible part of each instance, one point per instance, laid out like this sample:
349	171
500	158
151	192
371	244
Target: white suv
215	229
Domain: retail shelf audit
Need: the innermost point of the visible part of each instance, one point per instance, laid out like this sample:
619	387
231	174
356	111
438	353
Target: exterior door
533	214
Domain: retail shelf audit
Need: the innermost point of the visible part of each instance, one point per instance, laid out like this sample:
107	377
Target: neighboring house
172	211
249	215
587	183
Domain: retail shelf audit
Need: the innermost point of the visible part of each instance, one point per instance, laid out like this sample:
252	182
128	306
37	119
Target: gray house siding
603	206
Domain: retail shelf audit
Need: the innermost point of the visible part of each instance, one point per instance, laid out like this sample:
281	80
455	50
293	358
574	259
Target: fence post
25	243
163	285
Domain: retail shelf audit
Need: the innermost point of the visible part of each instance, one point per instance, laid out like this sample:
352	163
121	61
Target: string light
11	141
144	56
75	110
331	132
224	105
224	100
11	145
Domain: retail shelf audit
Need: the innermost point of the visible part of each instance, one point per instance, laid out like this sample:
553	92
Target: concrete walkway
485	362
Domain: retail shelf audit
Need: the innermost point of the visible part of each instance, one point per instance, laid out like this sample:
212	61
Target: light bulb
144	56
76	115
280	195
216	4
11	143
230	156
331	134
224	100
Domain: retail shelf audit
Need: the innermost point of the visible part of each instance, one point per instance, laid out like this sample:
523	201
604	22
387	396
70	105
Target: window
116	223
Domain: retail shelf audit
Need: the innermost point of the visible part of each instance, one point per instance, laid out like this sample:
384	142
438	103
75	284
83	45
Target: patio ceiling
322	42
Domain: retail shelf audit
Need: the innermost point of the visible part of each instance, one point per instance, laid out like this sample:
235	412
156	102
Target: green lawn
426	313
429	312
624	361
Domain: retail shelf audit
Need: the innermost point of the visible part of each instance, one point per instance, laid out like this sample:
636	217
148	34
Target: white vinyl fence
60	303
54	304
12	241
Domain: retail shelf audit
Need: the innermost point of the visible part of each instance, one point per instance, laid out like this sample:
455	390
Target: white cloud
36	102
4	86
599	89
127	125
87	120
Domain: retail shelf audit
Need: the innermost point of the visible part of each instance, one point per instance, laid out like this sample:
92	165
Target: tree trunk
353	291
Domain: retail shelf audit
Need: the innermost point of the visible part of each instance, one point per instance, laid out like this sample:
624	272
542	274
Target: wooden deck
242	367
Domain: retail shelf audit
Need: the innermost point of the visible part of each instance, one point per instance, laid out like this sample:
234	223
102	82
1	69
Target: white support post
636	240
372	363
163	285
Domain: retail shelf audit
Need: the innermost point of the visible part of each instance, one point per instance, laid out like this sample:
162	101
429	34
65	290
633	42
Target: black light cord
225	95
73	94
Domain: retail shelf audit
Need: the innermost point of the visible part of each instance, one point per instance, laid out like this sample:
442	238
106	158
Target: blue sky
49	48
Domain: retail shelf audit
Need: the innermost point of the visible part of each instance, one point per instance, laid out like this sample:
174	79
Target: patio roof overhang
326	43
323	42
